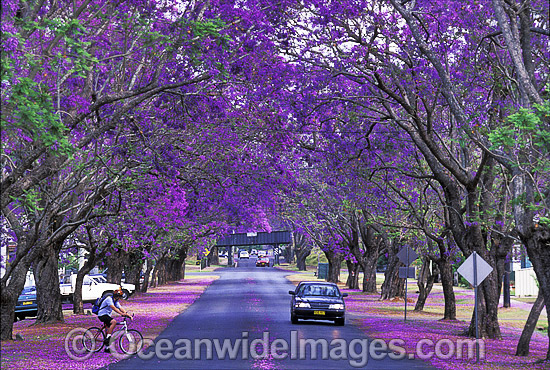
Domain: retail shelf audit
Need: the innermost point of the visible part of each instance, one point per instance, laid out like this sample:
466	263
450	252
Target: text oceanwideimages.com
356	351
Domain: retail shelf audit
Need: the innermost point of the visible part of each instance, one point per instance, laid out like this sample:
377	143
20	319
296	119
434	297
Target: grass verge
42	346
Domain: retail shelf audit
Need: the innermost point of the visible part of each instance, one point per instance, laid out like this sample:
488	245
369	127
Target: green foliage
203	30
525	136
525	129
316	255
158	39
209	28
33	111
76	50
31	102
70	263
30	200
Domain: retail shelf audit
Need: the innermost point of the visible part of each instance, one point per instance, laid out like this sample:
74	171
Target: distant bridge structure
274	238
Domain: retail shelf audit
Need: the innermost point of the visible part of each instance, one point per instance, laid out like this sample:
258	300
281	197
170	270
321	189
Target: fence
525	283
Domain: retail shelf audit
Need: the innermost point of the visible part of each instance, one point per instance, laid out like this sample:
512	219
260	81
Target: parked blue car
26	304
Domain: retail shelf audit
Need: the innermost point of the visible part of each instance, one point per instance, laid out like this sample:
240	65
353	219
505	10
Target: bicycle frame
102	332
104	328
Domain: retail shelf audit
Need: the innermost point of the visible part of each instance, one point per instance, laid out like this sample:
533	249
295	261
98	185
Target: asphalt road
251	303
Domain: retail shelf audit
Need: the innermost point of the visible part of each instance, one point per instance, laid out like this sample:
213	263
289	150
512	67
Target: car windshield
99	278
29	289
318	290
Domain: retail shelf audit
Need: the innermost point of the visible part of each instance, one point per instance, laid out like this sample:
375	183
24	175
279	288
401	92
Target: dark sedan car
262	262
317	301
26	303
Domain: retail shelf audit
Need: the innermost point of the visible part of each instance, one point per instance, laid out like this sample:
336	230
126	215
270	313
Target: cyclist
109	305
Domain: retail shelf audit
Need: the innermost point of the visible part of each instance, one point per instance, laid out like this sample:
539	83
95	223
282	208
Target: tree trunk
334	265
183	267
30	247
48	295
393	286
182	255
369	275
213	257
538	249
175	271
425	283
372	242
146	275
506	285
133	276
291	253
446	273
133	269
302	250
503	268
154	281
115	265
163	273
8	298
230	261
286	253
353	275
159	273
172	269
78	305
530	325
488	297
301	261
7	312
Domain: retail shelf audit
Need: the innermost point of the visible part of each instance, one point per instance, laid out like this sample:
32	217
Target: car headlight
336	306
303	305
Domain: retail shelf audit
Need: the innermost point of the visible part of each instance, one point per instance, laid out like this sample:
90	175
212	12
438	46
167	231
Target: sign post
406	255
475	269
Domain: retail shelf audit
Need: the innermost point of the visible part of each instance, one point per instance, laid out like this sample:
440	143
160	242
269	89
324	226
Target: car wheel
340	322
293	319
125	294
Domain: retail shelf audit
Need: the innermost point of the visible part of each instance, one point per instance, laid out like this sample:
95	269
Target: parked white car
93	287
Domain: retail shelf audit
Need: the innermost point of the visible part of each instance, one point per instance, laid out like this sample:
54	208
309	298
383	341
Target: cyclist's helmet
118	292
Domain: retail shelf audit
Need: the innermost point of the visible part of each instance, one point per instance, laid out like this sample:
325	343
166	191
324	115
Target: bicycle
130	341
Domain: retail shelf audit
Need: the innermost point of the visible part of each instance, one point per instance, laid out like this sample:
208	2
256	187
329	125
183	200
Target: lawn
42	346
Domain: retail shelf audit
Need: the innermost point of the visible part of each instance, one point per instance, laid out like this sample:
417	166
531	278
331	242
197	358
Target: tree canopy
421	122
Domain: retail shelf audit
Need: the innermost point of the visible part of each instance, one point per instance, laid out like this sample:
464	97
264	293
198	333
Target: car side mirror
344	295
292	292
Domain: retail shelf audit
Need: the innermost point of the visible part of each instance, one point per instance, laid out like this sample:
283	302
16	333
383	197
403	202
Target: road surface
251	303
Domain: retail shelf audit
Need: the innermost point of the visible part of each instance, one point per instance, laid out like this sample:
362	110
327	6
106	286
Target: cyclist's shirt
105	308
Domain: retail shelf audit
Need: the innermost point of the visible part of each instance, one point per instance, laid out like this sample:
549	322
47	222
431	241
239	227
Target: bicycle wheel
131	342
93	339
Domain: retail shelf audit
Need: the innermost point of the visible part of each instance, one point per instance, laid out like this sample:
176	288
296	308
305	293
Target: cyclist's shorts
105	319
